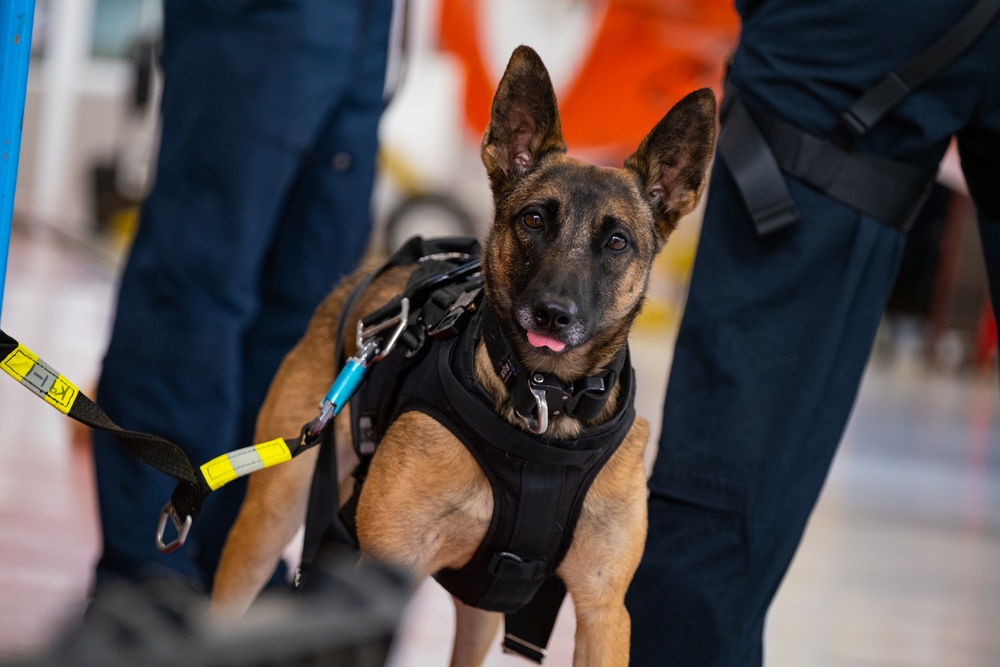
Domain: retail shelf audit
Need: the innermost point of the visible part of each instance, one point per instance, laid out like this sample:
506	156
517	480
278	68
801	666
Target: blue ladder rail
15	48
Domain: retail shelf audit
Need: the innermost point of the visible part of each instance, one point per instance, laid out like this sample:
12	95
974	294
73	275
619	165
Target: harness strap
527	631
757	146
323	519
855	121
411	252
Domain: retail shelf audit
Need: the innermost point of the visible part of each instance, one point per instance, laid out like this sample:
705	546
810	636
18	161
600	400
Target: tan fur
426	504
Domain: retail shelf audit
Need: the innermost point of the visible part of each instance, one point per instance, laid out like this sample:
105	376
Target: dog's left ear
672	159
524	121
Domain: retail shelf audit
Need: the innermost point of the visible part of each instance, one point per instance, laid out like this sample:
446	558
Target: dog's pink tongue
539	340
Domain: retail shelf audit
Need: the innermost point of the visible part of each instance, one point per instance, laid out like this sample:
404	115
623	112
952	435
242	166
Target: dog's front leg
474	630
605	553
276	499
602	636
271	514
597	571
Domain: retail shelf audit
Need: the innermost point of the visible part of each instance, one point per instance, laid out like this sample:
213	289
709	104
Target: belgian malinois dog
566	265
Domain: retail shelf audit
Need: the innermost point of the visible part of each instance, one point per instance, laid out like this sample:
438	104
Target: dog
565	266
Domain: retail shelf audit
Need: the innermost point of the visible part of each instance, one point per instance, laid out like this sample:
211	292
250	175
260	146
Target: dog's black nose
554	314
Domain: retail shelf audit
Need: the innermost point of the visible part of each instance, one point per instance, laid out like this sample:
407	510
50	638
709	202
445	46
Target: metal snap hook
182	528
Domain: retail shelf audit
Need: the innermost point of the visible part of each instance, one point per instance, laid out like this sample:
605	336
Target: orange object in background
646	55
985	352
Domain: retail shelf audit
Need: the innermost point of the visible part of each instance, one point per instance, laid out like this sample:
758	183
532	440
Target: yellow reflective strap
218	472
225	468
24	366
273	452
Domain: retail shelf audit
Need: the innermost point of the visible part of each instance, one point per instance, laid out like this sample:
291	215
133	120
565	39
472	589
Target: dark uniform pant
777	329
261	203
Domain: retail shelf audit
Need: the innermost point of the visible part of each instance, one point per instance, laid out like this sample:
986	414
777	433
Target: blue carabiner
344	386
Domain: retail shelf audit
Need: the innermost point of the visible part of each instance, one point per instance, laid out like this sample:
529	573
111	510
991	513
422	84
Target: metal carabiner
343	387
182	528
399	321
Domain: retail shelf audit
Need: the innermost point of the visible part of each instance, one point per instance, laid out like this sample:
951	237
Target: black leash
194	484
42	380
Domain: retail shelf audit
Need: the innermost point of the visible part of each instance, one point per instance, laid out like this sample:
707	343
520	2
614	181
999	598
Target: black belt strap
889	190
747	154
888	93
757	147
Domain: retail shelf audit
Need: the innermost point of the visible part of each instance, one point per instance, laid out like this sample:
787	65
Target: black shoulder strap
894	87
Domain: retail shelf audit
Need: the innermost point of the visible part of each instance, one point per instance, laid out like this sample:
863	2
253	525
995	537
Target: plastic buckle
848	130
182	528
399	321
449	324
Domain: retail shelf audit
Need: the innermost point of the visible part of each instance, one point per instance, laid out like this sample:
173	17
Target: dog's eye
617	242
532	220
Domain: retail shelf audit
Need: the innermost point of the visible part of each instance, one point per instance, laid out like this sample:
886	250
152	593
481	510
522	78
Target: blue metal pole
15	47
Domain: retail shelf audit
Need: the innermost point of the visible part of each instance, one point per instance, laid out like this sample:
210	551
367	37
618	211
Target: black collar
538	396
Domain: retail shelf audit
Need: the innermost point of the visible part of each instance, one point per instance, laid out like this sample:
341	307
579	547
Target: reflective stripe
24	366
225	468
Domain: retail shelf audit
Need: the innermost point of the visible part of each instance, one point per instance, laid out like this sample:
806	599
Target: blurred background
901	562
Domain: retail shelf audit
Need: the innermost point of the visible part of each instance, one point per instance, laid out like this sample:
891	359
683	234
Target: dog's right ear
671	161
524	121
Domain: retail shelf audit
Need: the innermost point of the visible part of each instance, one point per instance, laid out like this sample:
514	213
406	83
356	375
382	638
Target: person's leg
775	336
322	236
236	125
776	331
186	297
979	147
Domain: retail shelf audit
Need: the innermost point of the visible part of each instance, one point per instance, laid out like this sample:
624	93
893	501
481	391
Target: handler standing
261	203
782	314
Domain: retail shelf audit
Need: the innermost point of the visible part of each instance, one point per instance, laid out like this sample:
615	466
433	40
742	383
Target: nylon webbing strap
527	631
888	190
757	147
895	86
408	253
758	177
322	516
41	379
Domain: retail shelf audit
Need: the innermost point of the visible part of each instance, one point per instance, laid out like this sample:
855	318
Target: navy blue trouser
261	203
777	330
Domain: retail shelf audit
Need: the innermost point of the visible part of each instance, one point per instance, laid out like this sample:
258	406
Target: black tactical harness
538	483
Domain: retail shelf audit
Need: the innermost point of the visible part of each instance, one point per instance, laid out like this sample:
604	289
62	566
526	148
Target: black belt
757	146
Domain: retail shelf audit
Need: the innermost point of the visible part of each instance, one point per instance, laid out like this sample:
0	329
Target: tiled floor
900	565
